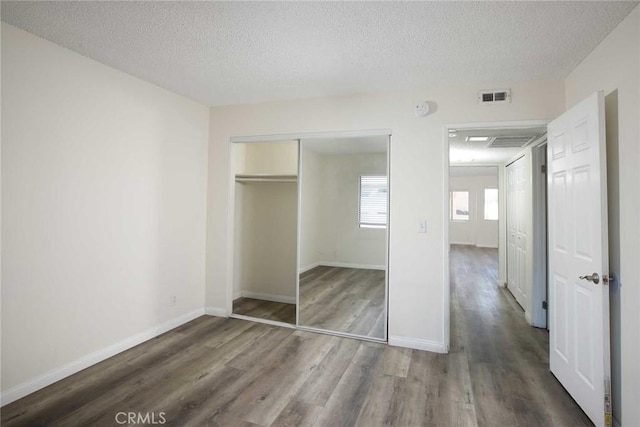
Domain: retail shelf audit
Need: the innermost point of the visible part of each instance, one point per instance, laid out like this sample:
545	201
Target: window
372	212
491	204
459	205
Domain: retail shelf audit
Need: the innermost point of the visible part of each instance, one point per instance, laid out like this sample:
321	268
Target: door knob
595	278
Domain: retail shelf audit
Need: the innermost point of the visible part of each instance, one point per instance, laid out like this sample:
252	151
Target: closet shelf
266	178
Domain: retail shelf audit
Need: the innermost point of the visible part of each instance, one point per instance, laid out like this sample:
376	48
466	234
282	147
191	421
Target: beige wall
614	67
417	261
330	231
280	158
103	214
311	209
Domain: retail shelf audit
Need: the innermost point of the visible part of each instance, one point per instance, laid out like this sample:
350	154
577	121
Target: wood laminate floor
262	309
349	300
227	372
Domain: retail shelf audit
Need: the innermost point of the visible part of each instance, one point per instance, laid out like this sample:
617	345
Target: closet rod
266	178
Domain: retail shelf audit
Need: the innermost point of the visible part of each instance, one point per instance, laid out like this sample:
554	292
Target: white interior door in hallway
578	257
518	176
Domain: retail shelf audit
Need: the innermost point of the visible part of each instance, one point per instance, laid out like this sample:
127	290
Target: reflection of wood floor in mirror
262	309
348	300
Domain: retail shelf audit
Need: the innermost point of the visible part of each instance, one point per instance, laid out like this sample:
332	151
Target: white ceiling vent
512	141
496	96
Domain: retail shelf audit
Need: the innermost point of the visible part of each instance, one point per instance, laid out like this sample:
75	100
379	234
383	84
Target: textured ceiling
237	52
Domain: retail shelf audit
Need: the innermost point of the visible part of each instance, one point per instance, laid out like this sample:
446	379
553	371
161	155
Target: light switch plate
422	226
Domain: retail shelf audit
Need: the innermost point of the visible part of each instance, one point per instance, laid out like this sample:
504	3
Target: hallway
507	359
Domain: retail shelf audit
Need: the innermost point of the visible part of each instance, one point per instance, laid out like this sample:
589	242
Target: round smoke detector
422	109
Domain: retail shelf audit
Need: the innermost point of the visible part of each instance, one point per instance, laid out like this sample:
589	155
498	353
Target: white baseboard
349	265
269	297
487	246
343	265
451	242
309	267
538	323
418	344
237	294
216	311
472	244
527	317
71	368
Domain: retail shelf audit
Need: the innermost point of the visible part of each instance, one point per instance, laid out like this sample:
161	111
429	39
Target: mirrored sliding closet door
344	197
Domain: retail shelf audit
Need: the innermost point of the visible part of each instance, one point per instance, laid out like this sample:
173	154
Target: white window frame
386	219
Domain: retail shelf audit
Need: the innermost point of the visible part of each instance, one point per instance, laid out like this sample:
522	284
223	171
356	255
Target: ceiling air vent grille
511	141
496	96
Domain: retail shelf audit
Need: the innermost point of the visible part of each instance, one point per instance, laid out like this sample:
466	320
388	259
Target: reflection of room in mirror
343	235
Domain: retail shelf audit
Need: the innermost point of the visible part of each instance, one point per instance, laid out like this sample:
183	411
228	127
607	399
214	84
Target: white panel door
522	190
579	307
517	178
511	230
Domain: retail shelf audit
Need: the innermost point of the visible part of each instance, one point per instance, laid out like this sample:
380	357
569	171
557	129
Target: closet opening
265	231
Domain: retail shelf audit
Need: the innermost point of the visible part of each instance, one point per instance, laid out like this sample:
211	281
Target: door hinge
545	305
607	403
544	168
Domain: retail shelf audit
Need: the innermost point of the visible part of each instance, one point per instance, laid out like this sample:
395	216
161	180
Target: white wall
417	278
614	67
477	231
330	233
103	214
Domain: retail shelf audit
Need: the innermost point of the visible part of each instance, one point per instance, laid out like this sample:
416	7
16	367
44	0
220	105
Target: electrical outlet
173	299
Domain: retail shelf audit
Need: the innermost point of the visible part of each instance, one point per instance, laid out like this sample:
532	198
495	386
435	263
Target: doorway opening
496	207
496	214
